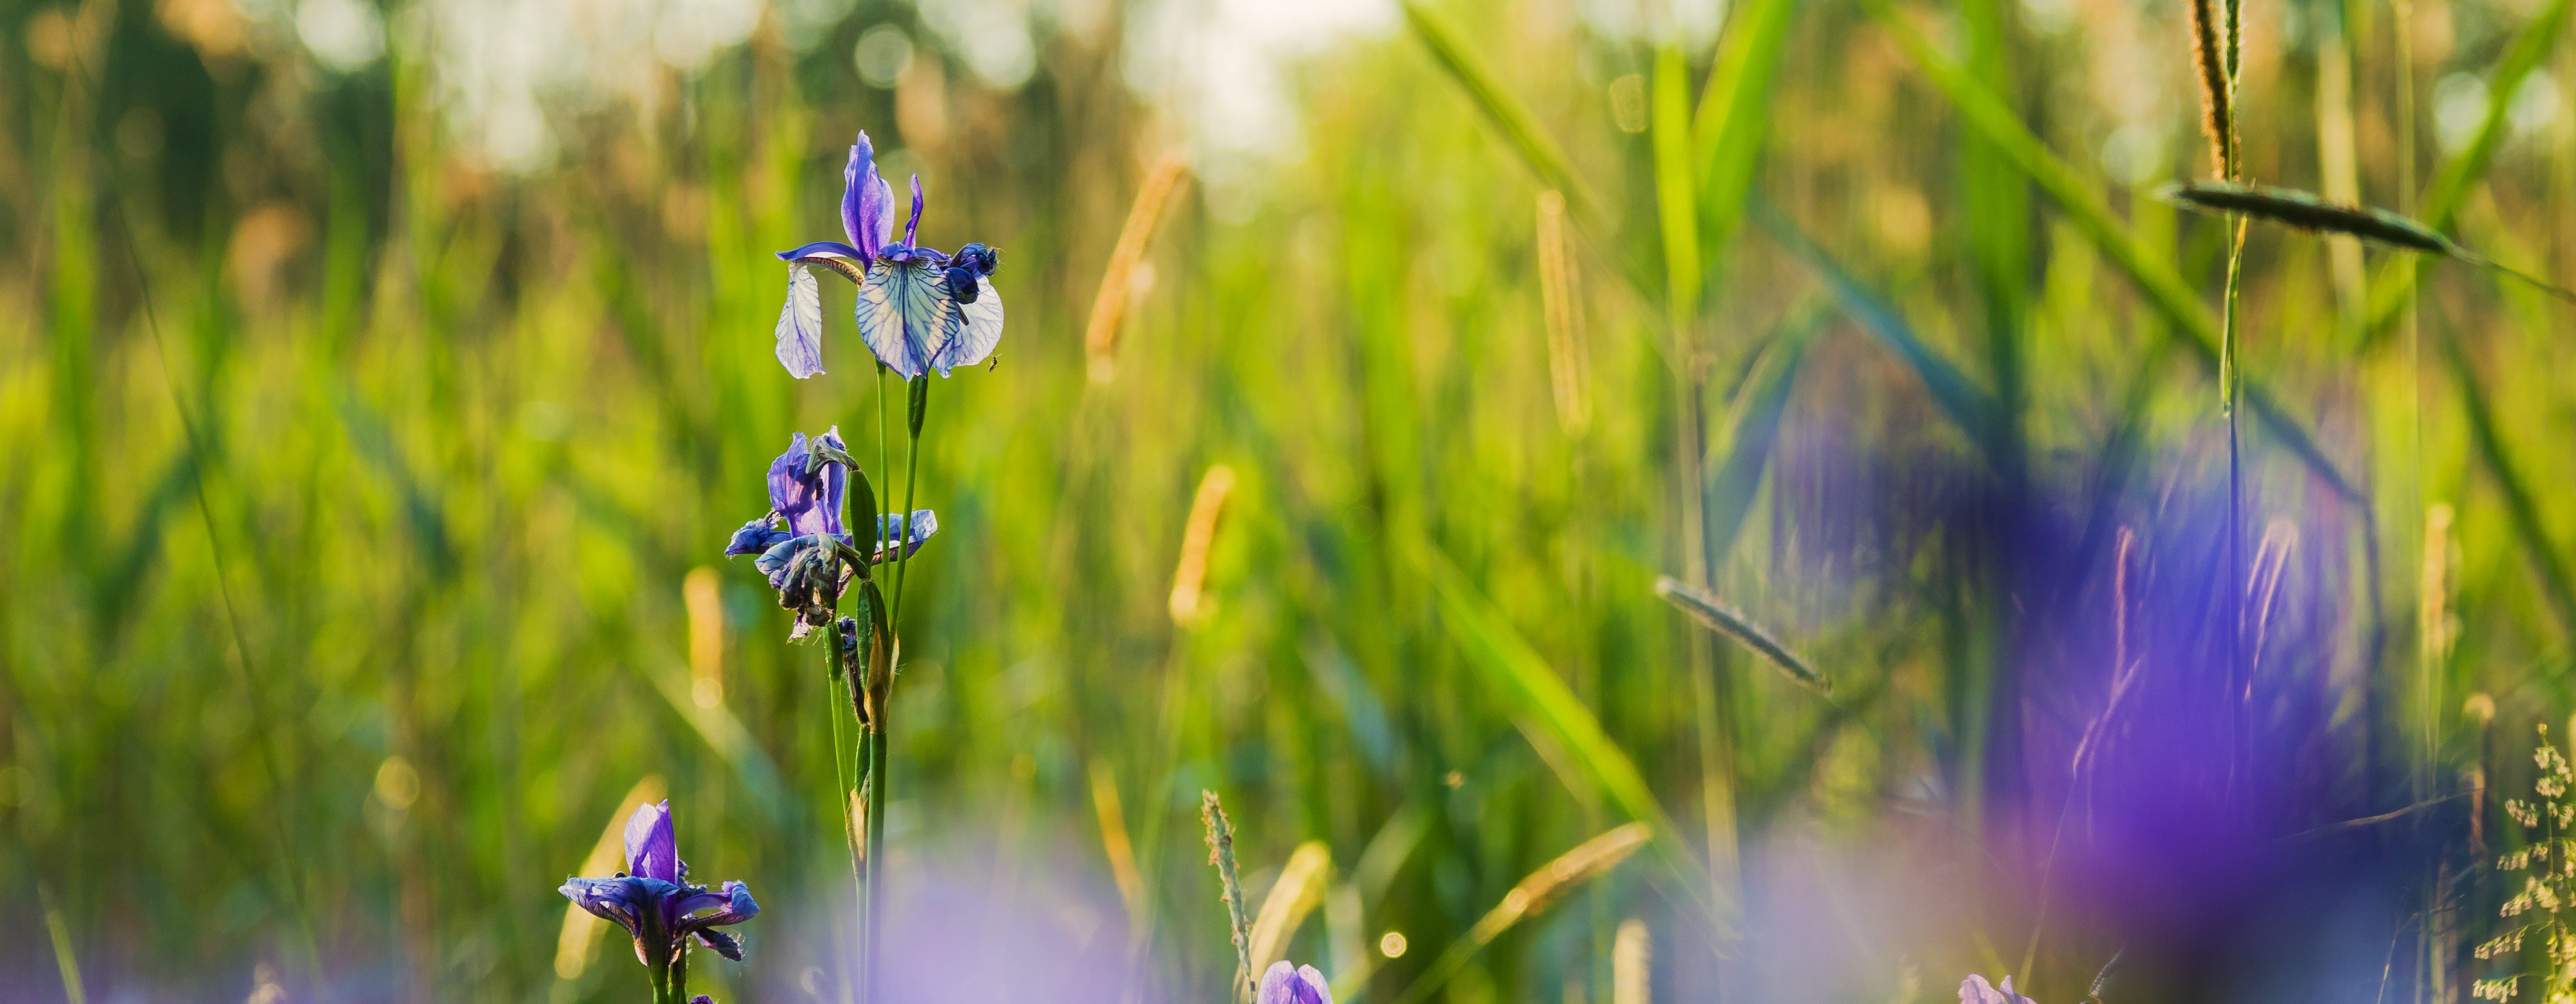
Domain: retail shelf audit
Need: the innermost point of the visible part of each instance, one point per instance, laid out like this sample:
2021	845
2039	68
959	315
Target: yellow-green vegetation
366	471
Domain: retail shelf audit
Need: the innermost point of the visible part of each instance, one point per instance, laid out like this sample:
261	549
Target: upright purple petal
808	499
867	202
912	230
651	850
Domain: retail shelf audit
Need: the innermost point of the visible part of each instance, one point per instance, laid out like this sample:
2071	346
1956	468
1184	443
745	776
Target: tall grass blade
1674	194
725	734
1587	861
1714	614
1299	889
1958	396
2162	286
1742	448
2395	284
1503	110
1532	690
1733	123
2519	504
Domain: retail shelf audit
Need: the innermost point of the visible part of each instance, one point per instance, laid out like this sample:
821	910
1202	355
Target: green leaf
1505	111
1734	119
1673	194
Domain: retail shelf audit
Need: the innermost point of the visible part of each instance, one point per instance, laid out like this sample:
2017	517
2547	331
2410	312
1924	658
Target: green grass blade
2519	505
1958	396
1743	446
1674	197
1734	119
725	734
1505	660
1501	108
2162	286
2396	280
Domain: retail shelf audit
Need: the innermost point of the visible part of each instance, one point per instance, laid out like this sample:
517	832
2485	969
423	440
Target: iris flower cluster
653	900
801	543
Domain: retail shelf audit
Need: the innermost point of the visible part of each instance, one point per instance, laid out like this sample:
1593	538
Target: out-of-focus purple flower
1975	990
919	309
1301	985
654	901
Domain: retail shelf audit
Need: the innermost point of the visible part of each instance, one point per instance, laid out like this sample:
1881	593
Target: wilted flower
798	539
919	308
654	901
1302	985
1975	990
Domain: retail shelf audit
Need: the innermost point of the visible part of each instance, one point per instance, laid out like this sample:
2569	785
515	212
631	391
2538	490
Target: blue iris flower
654	901
806	494
919	308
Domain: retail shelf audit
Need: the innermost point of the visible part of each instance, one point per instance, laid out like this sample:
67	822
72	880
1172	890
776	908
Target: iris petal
867	202
800	325
651	849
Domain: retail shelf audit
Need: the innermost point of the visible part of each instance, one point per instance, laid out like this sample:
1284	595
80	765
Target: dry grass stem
1117	282
1189	577
1568	357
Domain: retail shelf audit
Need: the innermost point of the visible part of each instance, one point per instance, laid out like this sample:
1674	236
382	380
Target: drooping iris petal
890	526
911	321
899	311
977	331
723	944
867	202
756	536
800	324
651	850
1302	985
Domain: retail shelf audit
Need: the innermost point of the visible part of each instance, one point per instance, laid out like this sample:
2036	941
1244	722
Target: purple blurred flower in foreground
1975	990
1302	985
919	308
656	904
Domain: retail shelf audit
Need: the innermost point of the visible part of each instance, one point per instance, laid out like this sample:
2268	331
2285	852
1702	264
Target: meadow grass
361	511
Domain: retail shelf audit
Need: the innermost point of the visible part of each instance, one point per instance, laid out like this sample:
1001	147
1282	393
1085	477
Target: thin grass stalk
246	673
1632	964
1587	861
66	963
1715	615
1220	842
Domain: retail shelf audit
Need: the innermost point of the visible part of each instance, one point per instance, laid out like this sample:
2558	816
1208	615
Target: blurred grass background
371	418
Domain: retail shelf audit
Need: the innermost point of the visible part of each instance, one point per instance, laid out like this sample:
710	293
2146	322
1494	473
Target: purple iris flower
919	308
803	493
890	528
654	901
1302	985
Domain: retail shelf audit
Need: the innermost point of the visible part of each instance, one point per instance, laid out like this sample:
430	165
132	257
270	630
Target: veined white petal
973	329
800	324
900	307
